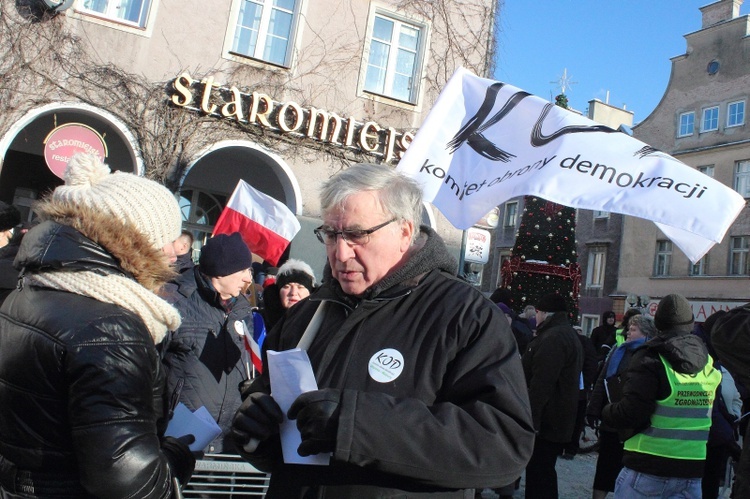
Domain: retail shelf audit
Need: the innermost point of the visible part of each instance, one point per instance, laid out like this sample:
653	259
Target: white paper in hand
291	375
200	424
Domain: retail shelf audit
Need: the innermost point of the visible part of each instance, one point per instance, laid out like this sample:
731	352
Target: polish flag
254	342
266	225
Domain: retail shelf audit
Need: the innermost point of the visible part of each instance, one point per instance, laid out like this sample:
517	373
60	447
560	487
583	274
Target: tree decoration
548	262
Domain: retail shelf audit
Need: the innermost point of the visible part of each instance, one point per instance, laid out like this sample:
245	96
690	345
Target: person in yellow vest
665	411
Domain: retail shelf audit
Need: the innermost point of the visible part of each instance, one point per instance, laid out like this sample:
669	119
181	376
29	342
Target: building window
601	214
700	267
588	323
742	178
738	264
663	258
265	29
687	122
596	266
736	113
511	214
394	55
710	119
133	12
707	170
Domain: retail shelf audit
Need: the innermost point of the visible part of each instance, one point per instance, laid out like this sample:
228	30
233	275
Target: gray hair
645	324
399	195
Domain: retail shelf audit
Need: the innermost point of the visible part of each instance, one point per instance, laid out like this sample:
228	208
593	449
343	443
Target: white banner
485	142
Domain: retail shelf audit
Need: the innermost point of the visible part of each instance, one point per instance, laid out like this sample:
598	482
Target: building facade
702	121
198	95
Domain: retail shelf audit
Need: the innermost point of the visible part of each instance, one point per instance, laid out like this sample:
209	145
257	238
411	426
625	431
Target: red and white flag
266	225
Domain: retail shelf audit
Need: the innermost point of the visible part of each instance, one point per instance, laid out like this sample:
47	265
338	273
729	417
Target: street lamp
637	301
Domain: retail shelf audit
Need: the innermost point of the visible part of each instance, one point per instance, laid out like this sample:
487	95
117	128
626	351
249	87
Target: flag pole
461	255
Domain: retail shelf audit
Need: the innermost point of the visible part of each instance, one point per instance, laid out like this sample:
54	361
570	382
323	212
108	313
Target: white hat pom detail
85	170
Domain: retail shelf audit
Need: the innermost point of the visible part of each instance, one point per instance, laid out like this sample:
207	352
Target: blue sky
621	46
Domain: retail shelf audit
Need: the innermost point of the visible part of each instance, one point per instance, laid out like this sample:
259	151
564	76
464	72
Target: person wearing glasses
421	390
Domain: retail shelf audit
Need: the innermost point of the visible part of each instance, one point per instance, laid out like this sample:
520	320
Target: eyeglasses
355	237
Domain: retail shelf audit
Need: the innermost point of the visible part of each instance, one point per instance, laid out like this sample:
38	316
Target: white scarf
158	315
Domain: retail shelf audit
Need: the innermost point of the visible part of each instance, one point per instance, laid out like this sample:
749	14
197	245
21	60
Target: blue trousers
634	485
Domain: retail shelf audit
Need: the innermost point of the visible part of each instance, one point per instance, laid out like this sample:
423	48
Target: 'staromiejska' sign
289	117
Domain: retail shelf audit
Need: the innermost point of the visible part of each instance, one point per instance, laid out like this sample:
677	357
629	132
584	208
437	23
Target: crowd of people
425	387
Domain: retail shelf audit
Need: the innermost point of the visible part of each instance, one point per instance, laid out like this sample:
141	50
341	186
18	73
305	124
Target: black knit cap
9	216
674	312
224	255
552	302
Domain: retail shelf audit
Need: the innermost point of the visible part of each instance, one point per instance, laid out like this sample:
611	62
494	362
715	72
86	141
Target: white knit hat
137	201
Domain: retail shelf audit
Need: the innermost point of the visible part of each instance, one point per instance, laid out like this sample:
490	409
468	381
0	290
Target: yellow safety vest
679	425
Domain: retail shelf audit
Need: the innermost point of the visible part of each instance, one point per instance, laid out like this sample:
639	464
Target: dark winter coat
645	383
599	397
205	358
456	415
81	385
603	336
552	365
8	273
731	340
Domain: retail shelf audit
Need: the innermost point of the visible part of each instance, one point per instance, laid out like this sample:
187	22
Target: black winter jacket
205	358
454	416
552	364
81	385
645	383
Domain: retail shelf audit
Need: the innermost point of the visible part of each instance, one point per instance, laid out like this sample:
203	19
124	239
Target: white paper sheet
200	424
291	375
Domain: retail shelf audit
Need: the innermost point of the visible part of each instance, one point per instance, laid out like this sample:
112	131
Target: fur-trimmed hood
108	246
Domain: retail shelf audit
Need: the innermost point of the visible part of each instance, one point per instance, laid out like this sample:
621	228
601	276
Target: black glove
592	421
317	415
258	418
181	460
248	386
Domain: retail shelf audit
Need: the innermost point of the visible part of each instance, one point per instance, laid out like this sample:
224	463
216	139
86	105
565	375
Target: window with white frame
394	57
596	266
265	30
738	261
663	260
510	216
700	267
588	323
133	12
687	124
742	178
710	119
736	113
707	170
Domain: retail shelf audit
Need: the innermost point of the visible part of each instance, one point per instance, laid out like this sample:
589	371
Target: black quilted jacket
81	385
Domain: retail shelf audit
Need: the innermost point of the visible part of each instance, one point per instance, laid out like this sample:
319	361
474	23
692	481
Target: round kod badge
386	365
239	327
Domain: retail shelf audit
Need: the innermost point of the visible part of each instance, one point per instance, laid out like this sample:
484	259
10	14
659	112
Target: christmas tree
544	258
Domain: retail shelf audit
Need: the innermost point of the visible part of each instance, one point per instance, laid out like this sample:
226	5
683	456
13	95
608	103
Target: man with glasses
421	390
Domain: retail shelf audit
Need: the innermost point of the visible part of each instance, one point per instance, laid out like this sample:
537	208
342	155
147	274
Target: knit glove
179	457
317	414
257	419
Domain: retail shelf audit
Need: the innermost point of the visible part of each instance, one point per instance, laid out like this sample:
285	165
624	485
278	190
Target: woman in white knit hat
81	384
295	281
